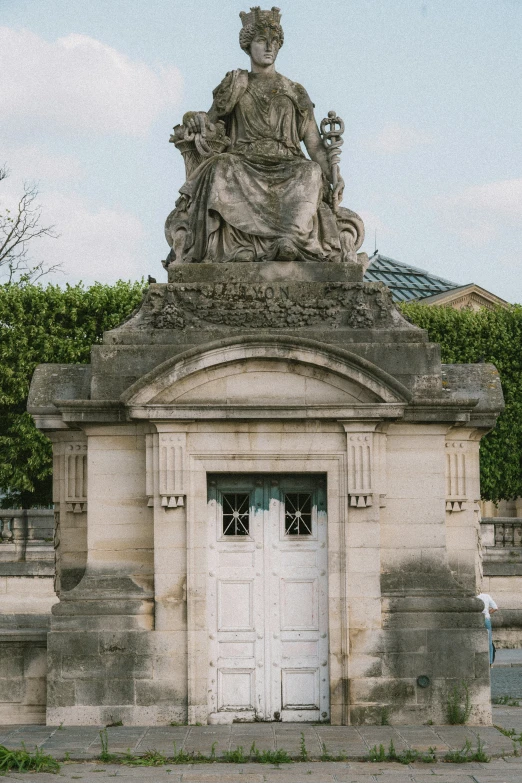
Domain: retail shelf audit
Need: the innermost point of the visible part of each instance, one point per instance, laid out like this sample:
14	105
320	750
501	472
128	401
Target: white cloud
480	214
395	138
94	244
35	163
503	197
81	84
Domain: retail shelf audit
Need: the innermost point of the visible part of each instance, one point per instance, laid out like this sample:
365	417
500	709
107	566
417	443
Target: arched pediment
271	371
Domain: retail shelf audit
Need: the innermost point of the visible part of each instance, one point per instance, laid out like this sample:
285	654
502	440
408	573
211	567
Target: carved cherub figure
251	194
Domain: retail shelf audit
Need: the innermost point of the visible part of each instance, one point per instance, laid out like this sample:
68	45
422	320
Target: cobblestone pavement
506	674
82	744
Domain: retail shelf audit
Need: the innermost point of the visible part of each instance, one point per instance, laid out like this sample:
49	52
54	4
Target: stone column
99	644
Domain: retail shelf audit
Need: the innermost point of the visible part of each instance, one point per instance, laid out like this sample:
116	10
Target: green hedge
50	324
45	324
496	337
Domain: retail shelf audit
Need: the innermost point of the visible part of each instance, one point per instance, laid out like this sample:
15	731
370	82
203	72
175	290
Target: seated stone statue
251	194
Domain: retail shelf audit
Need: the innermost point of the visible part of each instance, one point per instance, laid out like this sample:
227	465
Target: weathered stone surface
290	367
262	305
268	272
250	192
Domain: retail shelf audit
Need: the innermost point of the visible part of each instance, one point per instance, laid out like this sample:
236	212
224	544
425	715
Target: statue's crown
259	17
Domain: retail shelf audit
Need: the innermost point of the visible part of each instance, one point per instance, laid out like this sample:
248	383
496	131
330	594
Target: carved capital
166	468
460	455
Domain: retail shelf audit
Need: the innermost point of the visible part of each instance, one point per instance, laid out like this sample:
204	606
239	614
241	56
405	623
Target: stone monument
266	482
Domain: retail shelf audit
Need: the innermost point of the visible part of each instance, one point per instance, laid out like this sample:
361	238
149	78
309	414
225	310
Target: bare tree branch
18	228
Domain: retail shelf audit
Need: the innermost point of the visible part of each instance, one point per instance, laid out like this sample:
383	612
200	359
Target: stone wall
238	368
27	595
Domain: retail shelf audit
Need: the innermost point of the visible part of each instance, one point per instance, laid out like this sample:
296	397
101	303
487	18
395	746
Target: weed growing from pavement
467	753
104	739
153	758
269	756
505	700
23	760
511	733
235	756
380	754
458	706
325	756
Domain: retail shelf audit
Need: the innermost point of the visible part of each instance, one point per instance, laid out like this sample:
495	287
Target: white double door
267	598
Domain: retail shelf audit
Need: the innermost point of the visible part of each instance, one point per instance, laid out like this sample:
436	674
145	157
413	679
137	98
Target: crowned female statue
251	194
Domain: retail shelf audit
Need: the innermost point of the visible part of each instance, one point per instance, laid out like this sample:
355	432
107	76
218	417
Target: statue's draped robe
262	190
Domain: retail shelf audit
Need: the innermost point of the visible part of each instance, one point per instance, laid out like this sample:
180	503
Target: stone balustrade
26	584
502	532
26	534
501	538
502	567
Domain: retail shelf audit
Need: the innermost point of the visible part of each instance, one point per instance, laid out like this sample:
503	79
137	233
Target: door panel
235	605
299	605
300	688
267	598
236	689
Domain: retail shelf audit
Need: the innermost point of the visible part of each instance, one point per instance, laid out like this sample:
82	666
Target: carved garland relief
270	305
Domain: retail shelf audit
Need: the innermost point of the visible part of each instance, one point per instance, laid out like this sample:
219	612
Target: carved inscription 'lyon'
260	292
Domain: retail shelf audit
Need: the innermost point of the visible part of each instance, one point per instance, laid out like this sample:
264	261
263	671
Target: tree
18	229
45	324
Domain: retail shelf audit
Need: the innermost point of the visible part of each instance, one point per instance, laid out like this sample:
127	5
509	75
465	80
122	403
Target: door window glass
298	514
236	514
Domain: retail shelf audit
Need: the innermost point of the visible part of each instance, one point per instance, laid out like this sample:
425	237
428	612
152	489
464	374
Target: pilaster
70	506
366	485
462	505
167	481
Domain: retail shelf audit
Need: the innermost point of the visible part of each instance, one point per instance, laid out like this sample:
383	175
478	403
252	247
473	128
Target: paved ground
82	744
499	771
506	674
509	657
354	742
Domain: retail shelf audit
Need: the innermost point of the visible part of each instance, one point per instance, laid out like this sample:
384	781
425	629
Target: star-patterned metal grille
236	514
298	514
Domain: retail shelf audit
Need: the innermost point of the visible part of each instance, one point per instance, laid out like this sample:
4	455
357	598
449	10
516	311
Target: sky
430	92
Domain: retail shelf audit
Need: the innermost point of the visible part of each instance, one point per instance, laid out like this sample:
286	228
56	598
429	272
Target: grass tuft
466	753
458	706
380	754
22	760
303	752
506	700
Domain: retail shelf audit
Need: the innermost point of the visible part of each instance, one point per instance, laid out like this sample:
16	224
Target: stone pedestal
268	369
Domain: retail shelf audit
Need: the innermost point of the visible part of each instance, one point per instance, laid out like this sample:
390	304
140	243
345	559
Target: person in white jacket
489	607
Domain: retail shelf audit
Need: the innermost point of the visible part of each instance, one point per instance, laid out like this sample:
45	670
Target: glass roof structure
407	283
